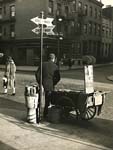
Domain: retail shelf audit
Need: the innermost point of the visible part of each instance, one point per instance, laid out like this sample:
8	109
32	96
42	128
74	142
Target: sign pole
41	60
58	41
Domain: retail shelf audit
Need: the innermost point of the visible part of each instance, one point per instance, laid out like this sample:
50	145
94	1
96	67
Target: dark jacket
50	75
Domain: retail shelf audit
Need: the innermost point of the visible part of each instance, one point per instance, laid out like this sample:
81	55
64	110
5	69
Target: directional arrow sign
37	20
36	30
49	30
48	21
50	33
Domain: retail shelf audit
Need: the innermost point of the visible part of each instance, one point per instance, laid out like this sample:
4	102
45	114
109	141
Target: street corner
110	77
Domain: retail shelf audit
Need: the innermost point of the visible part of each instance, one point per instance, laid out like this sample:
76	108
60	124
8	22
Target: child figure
9	76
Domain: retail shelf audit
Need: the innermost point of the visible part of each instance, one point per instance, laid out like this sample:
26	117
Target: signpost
36	30
40	29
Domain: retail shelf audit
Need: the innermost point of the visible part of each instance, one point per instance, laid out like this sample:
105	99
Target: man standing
50	77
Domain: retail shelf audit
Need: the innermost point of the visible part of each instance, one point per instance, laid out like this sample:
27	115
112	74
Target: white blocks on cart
98	99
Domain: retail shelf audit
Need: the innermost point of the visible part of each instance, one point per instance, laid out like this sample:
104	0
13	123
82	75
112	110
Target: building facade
108	31
88	28
16	36
106	48
78	22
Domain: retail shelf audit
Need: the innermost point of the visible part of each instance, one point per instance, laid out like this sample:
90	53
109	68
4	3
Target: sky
107	2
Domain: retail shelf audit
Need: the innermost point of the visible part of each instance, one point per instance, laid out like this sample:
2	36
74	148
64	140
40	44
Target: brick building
80	23
108	32
88	27
16	37
106	48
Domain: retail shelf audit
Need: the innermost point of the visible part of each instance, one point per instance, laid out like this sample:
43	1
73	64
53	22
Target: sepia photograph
56	74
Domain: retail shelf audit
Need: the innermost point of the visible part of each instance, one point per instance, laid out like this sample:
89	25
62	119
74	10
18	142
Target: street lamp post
59	37
58	51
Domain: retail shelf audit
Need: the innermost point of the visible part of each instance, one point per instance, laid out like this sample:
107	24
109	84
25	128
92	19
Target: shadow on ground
97	131
4	146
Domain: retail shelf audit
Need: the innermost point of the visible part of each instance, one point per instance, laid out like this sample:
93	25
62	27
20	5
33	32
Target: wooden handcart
85	104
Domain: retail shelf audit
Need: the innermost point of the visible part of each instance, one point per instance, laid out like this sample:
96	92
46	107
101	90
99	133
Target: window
95	29
90	46
12	11
109	47
4	10
79	6
79	27
74	6
50	7
99	29
106	49
0	13
85	28
90	28
95	13
58	9
12	30
72	23
85	9
103	30
4	31
66	11
79	47
85	47
94	47
110	33
107	32
66	29
99	15
91	11
102	49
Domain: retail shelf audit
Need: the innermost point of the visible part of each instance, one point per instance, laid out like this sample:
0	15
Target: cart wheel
89	113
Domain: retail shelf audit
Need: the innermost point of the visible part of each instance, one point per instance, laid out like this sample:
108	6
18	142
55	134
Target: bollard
31	115
31	100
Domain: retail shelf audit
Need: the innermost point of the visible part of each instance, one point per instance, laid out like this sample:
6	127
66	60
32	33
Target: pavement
17	134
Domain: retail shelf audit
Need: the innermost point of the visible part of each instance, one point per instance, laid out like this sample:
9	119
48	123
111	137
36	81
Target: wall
26	10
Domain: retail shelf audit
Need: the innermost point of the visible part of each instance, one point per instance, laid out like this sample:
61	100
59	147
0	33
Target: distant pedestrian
50	77
69	63
9	76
